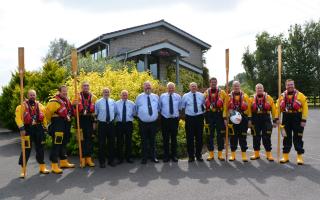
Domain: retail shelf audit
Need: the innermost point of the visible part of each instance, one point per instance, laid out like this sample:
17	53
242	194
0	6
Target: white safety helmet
235	117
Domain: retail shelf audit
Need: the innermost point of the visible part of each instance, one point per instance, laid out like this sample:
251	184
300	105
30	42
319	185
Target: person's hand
225	122
249	124
274	125
303	124
22	133
94	125
45	129
75	102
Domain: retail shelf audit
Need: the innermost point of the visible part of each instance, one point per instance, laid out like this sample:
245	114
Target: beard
148	91
32	101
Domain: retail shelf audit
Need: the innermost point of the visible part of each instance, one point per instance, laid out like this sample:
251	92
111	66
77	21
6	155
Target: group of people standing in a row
114	123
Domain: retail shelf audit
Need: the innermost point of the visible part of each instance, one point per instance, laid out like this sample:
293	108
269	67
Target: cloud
34	23
116	5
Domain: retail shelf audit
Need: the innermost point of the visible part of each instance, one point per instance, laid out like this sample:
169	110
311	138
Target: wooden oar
227	101
21	74
74	63
279	94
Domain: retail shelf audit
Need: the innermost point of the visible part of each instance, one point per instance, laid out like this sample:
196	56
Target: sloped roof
110	35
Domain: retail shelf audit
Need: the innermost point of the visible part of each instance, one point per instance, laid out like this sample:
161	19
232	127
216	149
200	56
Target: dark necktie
108	111
170	104
149	106
195	107
124	112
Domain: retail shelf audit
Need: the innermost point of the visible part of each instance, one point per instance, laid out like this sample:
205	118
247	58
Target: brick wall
137	40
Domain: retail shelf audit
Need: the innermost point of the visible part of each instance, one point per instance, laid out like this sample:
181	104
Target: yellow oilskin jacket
20	110
301	98
269	100
245	99
51	108
221	95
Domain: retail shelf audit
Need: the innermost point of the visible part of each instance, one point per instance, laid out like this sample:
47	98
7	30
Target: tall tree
261	65
59	49
299	59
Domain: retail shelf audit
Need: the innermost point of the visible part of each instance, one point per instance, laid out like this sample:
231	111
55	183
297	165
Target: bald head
32	95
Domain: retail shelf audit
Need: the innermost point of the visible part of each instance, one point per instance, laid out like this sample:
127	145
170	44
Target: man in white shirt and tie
105	111
125	111
193	108
147	107
169	108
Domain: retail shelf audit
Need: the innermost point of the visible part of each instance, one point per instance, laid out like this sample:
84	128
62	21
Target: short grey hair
171	83
259	85
236	83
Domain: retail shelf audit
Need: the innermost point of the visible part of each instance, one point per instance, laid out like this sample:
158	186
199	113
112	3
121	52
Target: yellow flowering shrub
116	81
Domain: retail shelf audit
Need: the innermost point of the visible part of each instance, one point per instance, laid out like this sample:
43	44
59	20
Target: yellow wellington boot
55	168
82	163
285	158
244	157
211	156
300	159
43	169
22	174
220	156
89	162
65	164
233	156
269	156
255	156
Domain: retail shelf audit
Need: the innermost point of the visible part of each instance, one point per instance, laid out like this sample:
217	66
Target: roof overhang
190	67
154	47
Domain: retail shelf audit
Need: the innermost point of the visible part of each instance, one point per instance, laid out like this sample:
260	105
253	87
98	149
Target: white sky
224	24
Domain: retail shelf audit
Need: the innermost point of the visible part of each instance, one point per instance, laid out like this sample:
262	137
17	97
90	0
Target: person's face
193	88
213	83
124	96
32	95
259	90
106	93
64	92
85	87
236	87
147	88
171	89
290	86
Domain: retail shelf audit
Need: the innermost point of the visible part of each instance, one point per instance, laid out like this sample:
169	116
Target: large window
153	64
140	65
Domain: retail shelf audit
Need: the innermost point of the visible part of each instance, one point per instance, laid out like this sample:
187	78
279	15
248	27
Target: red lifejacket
65	108
238	105
86	104
32	113
290	104
261	104
213	101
